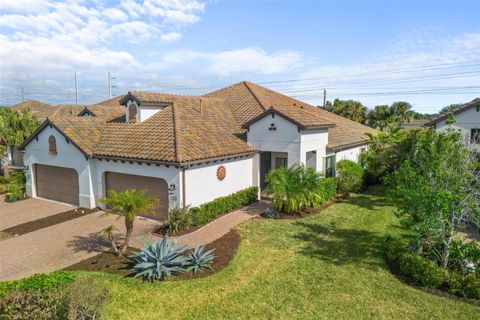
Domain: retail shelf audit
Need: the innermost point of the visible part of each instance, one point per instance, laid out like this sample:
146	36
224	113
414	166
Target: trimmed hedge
328	188
210	210
38	281
428	274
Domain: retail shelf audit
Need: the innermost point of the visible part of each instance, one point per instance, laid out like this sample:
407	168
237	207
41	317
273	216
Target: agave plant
159	260
199	259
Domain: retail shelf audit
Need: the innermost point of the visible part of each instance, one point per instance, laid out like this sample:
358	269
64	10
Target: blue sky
424	52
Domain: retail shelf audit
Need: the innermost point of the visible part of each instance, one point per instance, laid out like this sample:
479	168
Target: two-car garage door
153	186
57	183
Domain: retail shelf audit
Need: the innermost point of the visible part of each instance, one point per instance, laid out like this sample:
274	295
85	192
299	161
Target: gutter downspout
184	188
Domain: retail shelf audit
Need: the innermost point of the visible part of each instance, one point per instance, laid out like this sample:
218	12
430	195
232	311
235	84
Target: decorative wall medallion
221	173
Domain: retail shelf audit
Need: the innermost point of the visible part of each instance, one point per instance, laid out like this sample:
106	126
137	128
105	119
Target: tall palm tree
128	204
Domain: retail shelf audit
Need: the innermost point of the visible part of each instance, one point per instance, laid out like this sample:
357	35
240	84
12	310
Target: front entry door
265	167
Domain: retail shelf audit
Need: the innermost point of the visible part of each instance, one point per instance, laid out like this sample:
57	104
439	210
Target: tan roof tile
40	109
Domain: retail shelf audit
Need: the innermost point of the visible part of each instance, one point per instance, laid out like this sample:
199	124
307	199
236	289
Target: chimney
201	106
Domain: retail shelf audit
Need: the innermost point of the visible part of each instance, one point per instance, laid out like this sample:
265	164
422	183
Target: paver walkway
13	214
217	228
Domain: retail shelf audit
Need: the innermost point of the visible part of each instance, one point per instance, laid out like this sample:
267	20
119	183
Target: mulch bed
48	221
225	249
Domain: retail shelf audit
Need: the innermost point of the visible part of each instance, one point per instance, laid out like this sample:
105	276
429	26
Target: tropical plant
128	204
179	219
349	176
159	260
383	115
294	188
199	259
15	127
437	188
386	151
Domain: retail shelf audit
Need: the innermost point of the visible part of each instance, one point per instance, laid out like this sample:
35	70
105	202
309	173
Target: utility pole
324	98
76	87
22	93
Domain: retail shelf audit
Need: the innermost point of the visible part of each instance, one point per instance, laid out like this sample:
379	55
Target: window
330	166
52	145
475	136
311	159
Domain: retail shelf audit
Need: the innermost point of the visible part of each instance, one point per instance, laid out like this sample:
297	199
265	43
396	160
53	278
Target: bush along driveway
326	266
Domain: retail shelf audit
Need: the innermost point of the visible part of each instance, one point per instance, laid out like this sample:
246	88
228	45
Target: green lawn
327	266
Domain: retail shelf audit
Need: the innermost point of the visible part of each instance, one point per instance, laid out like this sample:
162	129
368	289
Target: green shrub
394	249
178	219
328	188
455	282
471	286
423	271
461	252
86	299
349	176
38	281
34	304
210	210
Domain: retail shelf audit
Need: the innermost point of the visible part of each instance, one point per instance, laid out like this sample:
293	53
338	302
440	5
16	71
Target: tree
127	204
450	108
386	151
349	109
437	188
15	127
383	115
349	176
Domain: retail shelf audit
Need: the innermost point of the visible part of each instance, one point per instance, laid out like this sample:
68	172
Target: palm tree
128	204
15	127
294	188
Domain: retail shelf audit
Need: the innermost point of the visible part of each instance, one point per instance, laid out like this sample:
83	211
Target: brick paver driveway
12	214
58	246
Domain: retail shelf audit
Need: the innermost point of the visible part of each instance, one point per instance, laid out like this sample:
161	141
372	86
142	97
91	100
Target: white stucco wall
68	156
352	154
146	111
287	138
202	184
169	174
314	140
465	121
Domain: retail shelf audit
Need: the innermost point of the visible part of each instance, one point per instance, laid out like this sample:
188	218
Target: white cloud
172	36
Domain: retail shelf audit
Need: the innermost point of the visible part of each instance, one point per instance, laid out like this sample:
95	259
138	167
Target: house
467	121
110	110
185	150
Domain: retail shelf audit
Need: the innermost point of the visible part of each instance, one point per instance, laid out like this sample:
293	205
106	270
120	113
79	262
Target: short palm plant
294	188
128	204
199	259
160	260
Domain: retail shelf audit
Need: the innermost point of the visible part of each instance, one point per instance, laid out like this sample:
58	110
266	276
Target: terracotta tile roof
85	132
178	133
113	102
248	100
67	110
474	103
40	109
106	112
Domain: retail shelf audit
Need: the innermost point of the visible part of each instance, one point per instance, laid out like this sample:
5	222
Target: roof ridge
245	83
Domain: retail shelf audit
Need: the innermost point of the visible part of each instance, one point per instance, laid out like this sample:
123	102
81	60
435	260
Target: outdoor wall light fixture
272	127
171	187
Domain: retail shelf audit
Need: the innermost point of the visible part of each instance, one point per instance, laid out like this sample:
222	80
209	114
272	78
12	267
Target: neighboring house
467	121
186	150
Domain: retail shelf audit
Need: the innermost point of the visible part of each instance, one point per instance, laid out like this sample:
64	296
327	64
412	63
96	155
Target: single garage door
57	183
156	187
